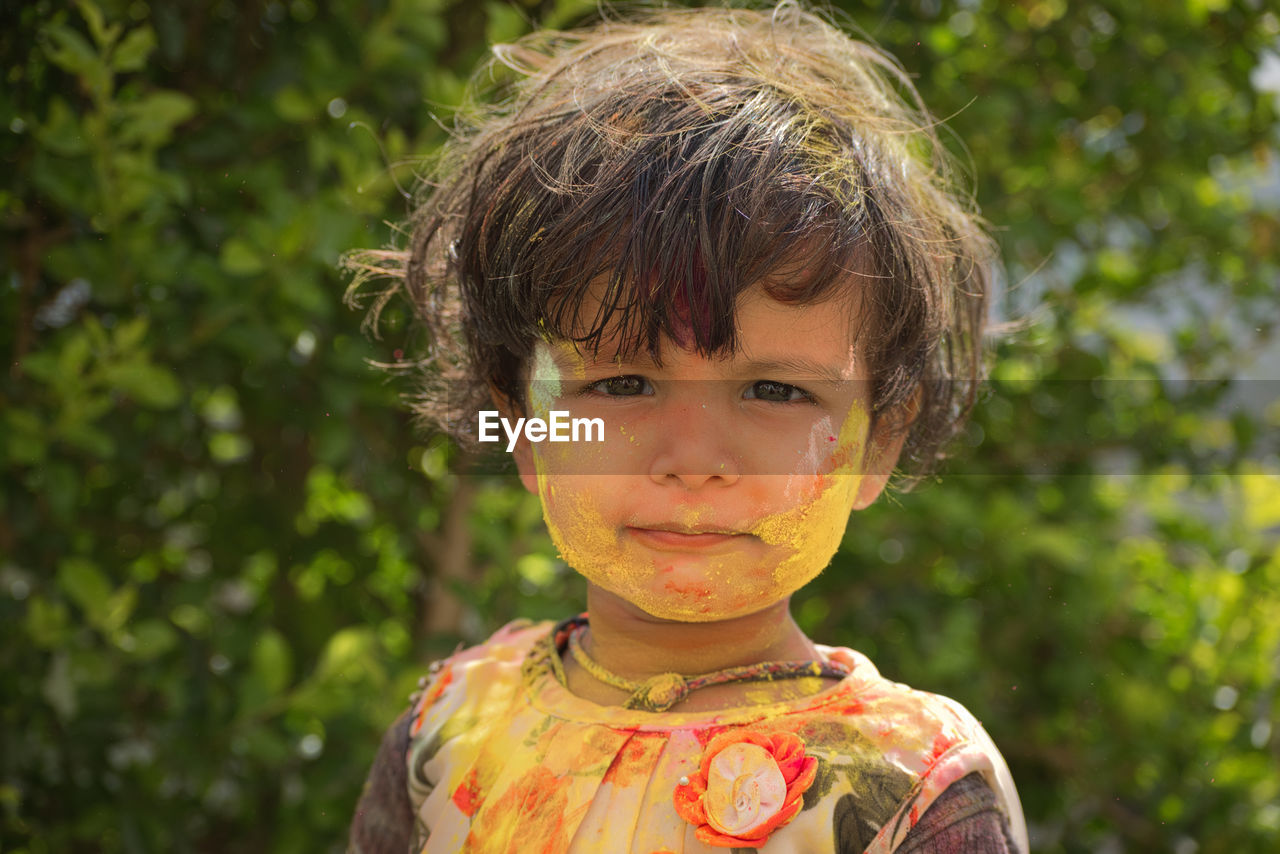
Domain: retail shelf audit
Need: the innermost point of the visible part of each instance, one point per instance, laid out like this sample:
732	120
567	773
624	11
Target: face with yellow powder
723	485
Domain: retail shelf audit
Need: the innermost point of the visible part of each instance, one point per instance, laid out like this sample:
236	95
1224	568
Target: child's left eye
776	392
629	385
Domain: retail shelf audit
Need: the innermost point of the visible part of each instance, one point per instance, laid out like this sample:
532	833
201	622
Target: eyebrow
792	367
797	366
786	366
587	360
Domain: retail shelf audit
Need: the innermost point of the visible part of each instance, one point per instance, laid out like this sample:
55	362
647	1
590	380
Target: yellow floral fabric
503	758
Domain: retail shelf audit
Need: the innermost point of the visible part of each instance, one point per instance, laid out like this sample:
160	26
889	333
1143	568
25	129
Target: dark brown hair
681	157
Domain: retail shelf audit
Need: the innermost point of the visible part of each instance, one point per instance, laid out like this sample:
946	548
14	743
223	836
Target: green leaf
147	383
295	107
537	570
130	333
59	689
97	334
348	655
117	609
61	132
46	621
42	366
71	52
61	488
86	585
150	120
65	184
190	618
103	33
73	359
132	53
153	638
270	671
88	438
226	447
240	258
25	442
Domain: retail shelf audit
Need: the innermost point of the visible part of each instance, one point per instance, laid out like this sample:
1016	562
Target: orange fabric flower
748	785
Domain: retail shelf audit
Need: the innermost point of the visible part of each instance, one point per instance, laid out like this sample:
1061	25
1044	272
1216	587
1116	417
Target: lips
673	537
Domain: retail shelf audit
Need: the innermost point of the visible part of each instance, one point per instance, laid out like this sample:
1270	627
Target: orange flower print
748	785
442	681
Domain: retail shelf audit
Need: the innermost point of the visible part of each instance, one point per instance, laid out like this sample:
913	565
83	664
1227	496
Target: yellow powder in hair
545	384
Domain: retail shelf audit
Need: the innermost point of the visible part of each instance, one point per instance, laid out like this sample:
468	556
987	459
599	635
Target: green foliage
218	577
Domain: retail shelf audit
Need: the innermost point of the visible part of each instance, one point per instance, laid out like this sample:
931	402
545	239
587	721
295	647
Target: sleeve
383	822
965	819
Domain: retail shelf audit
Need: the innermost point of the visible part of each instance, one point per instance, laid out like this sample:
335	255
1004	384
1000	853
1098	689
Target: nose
694	447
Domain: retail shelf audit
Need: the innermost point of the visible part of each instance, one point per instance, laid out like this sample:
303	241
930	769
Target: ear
884	445
523	451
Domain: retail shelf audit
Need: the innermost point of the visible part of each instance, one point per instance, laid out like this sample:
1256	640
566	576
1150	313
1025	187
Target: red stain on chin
667	570
693	588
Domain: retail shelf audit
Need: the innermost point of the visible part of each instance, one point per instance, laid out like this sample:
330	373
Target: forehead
612	318
819	337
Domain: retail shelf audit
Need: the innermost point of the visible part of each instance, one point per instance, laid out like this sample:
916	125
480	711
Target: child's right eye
630	385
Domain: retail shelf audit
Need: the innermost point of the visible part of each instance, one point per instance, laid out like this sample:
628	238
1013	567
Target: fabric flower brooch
748	785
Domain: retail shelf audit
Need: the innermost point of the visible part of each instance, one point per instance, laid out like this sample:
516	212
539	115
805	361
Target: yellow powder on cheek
811	533
577	529
590	546
812	530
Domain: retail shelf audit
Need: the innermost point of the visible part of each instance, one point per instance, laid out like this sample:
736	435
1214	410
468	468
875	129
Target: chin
683	612
693	600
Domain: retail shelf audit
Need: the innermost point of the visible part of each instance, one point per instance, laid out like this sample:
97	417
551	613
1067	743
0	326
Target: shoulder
383	820
477	676
966	818
931	741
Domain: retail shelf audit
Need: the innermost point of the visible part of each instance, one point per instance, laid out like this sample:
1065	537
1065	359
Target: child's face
722	486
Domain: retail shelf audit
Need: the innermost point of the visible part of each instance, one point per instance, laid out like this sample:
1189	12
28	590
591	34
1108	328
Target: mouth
679	537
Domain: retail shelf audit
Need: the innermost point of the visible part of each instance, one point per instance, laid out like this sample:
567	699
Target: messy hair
666	162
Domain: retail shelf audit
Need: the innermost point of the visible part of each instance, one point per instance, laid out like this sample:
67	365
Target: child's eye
776	392
630	385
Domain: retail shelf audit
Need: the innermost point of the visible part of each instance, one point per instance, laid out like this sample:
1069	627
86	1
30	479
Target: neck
635	645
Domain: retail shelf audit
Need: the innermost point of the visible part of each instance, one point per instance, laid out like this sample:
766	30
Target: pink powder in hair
690	308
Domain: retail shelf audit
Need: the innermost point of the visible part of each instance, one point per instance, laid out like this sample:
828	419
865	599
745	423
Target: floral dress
503	758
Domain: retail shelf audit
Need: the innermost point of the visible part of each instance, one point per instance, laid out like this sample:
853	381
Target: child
724	236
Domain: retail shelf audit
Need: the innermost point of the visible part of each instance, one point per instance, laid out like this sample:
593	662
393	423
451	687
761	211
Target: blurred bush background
225	556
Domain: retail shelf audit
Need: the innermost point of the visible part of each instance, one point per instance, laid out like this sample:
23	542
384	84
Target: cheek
576	522
808	535
818	504
819	518
832	459
849	446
